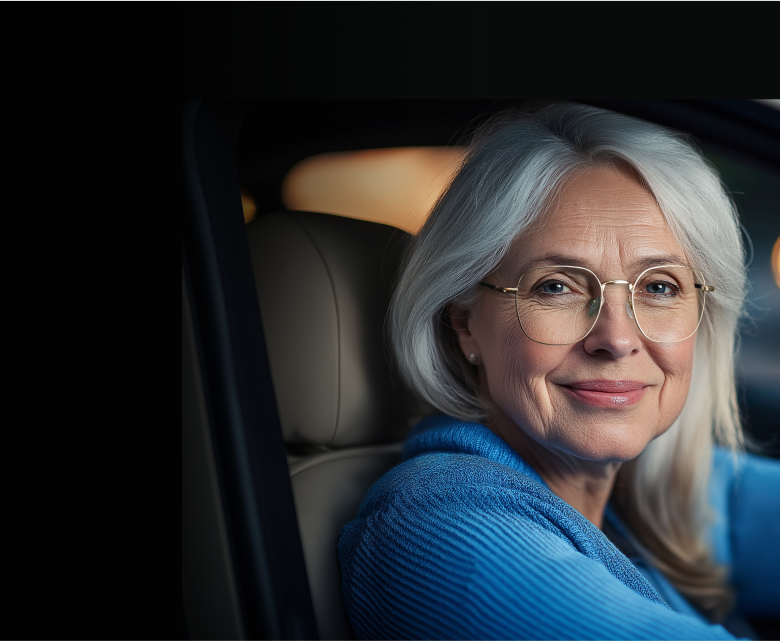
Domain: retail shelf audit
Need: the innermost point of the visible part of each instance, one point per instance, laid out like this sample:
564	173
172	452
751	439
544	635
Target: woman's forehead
605	196
602	218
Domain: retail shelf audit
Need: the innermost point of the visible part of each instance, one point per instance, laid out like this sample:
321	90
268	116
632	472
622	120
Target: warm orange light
392	186
248	204
776	261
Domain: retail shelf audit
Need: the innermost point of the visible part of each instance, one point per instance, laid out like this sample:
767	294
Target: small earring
473	358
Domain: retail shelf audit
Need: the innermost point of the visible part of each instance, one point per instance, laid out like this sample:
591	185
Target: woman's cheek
676	362
525	396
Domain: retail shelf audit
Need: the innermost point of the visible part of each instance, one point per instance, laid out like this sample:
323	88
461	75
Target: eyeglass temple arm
704	288
500	290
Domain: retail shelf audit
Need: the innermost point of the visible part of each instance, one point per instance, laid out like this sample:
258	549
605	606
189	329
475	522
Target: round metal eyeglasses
560	304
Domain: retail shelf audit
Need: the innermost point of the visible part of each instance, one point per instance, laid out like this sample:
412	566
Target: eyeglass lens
559	305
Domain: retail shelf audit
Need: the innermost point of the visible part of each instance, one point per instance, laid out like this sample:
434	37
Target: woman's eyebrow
654	261
558	259
644	263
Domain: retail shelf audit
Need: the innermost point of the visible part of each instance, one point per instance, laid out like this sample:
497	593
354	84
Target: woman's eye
659	288
554	288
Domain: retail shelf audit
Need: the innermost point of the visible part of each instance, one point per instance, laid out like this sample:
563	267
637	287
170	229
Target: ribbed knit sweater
464	539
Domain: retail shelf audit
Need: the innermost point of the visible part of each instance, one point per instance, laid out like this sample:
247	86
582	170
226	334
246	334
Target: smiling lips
605	393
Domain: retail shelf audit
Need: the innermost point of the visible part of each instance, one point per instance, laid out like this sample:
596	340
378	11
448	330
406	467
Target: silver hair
511	171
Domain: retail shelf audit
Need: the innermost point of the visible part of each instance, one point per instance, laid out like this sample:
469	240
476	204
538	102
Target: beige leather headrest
324	285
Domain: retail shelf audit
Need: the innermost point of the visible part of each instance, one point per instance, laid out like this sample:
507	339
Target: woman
570	307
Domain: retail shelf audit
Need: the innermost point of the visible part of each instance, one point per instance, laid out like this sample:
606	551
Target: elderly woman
570	307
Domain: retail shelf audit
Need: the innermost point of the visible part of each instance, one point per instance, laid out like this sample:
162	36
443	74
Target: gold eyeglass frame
603	283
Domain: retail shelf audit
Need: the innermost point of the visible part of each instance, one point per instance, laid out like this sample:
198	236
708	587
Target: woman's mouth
605	393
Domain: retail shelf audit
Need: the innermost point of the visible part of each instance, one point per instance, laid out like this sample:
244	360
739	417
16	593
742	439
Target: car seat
324	284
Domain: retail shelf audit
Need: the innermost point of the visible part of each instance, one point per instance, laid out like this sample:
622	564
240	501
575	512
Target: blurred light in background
776	261
248	204
395	187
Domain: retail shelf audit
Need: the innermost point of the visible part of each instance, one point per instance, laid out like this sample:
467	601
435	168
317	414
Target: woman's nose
616	333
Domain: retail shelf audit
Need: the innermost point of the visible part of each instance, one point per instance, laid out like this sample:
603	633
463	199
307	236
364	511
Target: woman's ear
459	319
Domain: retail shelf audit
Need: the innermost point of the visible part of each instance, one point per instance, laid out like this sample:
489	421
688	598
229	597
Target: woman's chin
610	446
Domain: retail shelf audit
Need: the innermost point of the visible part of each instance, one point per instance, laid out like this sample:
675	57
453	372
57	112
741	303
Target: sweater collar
447	434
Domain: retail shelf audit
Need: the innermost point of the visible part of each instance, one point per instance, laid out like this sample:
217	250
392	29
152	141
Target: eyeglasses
560	305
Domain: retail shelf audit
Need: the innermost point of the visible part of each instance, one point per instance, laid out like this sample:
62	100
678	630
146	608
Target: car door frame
243	570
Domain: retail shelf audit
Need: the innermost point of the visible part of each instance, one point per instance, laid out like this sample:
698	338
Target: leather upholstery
328	491
324	285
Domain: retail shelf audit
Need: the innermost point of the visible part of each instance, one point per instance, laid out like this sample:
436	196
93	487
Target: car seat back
324	285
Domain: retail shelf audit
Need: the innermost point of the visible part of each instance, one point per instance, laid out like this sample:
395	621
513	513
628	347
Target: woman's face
606	221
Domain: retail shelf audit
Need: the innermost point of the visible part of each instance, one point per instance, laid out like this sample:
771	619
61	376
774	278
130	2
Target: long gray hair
509	174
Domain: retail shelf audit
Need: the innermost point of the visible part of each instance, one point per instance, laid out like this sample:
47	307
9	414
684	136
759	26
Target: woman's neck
585	485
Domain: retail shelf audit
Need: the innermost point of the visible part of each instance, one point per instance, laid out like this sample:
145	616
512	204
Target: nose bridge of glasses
628	303
618	281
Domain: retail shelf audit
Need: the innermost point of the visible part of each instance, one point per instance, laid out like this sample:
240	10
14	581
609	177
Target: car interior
291	407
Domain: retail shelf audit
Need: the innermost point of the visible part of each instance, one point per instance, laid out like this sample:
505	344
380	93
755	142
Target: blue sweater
463	539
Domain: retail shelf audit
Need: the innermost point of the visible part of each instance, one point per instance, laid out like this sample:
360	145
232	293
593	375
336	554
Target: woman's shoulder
446	463
460	483
446	501
457	475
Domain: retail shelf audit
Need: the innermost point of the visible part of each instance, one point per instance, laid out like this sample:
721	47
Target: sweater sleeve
437	570
746	498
